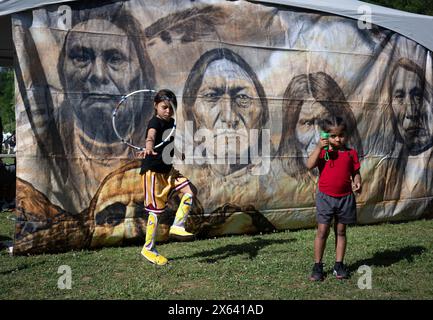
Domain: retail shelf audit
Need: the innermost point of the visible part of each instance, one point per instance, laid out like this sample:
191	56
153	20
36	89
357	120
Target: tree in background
7	99
414	6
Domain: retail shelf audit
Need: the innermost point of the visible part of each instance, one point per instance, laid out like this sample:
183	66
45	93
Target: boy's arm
314	156
357	182
150	143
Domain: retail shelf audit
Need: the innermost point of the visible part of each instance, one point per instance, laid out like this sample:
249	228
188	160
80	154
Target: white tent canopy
11	6
413	26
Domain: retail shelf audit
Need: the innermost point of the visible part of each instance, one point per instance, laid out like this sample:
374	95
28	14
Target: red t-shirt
335	174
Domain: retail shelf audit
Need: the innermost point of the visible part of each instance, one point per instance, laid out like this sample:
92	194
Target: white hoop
123	140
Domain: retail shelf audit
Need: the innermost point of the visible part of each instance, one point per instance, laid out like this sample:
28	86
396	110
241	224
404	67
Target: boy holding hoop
160	178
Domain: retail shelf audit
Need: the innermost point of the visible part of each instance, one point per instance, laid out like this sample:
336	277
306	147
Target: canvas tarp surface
416	27
252	78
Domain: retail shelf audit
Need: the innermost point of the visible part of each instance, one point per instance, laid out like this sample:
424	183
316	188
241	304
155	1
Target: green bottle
325	135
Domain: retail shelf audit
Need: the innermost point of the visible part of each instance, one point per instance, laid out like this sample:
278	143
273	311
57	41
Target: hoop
122	139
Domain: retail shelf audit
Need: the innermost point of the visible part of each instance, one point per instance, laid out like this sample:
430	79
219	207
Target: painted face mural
307	127
227	104
103	59
307	100
411	107
95	70
228	100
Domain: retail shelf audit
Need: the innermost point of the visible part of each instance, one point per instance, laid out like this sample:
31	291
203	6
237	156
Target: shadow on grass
5	238
252	248
21	267
5	242
389	257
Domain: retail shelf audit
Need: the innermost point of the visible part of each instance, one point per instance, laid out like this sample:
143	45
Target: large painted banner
252	83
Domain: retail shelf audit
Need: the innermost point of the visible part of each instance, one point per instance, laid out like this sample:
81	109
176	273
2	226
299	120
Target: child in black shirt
160	178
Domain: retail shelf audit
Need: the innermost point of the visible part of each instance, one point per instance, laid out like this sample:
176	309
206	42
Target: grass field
9	160
268	266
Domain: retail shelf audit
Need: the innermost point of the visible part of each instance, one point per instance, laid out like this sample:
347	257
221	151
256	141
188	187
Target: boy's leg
339	270
346	215
152	183
340	236
319	248
149	251
320	241
177	230
183	210
324	215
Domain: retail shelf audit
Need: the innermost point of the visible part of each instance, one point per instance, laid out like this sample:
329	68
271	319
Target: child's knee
190	193
340	230
322	234
187	190
341	233
192	189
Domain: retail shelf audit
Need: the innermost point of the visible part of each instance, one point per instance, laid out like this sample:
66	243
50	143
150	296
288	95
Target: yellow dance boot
149	251
177	230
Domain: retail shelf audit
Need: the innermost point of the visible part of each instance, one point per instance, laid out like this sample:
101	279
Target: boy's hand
357	183
149	152
144	153
140	154
324	143
357	187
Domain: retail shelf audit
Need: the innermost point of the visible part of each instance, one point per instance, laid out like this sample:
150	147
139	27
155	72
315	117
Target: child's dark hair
165	95
334	121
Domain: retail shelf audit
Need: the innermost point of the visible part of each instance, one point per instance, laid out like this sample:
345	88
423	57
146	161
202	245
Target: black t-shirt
156	163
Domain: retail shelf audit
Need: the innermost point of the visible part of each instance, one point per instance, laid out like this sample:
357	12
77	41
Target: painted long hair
195	80
325	90
397	166
115	13
410	66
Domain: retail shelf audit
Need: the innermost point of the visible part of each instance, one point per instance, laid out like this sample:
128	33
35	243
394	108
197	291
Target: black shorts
342	208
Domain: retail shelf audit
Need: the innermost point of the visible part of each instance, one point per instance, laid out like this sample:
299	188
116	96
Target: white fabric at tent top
11	6
414	26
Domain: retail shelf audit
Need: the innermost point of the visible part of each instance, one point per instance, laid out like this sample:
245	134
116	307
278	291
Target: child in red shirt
339	176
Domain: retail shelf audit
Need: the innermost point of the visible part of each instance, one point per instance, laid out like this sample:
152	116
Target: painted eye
211	97
80	56
399	95
114	57
307	123
243	100
418	98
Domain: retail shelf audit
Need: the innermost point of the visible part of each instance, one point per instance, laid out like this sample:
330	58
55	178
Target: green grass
268	266
8	160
